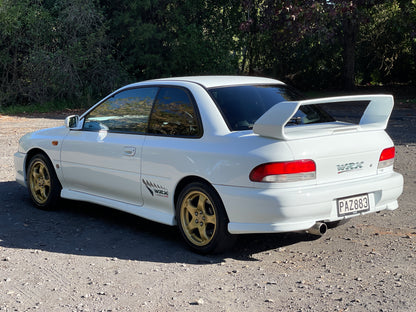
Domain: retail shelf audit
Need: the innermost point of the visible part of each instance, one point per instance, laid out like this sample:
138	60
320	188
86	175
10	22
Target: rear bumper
253	210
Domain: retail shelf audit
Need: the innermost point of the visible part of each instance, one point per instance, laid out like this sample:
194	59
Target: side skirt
146	212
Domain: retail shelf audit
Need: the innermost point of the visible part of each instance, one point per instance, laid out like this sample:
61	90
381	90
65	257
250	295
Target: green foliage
55	51
321	44
170	38
58	50
388	44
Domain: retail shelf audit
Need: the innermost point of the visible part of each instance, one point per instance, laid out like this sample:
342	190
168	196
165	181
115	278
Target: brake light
288	171
387	157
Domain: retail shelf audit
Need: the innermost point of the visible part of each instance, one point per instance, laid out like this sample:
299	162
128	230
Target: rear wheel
202	219
43	184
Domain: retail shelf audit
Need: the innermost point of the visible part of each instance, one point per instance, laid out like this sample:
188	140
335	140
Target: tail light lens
387	157
288	171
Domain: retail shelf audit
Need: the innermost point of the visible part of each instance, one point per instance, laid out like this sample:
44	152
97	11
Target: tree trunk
350	30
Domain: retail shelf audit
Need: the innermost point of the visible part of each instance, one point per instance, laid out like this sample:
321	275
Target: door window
127	111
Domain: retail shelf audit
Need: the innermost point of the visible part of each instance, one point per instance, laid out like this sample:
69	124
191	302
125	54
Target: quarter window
174	114
127	111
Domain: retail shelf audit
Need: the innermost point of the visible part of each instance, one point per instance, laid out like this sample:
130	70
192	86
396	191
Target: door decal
155	189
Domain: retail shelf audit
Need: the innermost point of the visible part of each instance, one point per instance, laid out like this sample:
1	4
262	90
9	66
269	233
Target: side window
174	114
127	111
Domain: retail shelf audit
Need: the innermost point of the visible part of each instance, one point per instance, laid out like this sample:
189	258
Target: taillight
387	158
287	171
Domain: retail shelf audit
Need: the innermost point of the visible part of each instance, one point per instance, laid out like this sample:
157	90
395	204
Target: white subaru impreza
217	156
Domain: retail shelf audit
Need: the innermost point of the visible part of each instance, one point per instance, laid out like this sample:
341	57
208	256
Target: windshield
241	106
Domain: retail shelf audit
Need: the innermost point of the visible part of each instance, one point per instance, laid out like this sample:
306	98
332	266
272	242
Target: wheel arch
190	179
30	154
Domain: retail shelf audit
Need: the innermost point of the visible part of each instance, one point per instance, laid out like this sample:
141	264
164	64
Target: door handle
129	151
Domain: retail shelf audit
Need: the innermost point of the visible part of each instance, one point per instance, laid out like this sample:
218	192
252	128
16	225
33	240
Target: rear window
241	106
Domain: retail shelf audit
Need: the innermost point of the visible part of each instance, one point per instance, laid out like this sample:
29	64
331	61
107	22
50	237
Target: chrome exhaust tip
318	229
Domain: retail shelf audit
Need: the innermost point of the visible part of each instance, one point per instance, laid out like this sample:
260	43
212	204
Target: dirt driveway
90	258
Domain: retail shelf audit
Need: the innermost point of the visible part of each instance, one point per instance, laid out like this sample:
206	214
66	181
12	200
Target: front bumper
19	165
273	210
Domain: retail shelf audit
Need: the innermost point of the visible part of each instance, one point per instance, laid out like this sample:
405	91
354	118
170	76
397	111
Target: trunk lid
343	156
341	150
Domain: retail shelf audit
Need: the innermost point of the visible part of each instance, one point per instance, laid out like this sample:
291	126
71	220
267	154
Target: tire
43	184
202	219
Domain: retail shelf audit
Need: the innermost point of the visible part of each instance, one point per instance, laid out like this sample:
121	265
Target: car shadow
80	228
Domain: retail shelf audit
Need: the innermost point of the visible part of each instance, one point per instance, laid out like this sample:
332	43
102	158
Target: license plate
353	204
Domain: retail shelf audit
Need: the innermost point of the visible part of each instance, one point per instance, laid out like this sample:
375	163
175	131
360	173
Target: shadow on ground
79	228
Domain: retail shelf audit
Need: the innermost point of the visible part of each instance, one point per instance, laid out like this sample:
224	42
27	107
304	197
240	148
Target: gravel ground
90	258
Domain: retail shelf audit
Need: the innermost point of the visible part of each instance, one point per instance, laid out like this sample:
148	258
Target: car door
104	157
174	129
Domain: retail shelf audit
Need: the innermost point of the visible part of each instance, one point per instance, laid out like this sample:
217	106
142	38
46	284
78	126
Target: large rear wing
375	117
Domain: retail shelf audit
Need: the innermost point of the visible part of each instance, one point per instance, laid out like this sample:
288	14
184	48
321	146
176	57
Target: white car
217	156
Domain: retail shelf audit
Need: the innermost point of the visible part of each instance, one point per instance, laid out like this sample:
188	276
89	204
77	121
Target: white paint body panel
103	164
100	167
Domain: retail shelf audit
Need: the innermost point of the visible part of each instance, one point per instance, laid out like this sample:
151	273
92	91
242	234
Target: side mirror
72	122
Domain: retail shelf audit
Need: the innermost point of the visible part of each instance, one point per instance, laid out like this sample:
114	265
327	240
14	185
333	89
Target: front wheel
202	220
43	184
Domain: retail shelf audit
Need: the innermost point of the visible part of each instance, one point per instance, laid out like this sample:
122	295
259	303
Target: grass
48	107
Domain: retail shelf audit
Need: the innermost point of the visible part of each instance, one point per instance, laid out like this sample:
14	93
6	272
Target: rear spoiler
375	117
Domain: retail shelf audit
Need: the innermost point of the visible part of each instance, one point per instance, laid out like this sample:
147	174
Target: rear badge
350	167
155	189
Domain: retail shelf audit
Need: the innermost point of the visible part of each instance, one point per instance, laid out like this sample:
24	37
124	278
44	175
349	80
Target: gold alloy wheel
40	182
198	218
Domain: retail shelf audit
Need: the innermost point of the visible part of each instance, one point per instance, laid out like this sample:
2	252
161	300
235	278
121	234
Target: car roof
221	81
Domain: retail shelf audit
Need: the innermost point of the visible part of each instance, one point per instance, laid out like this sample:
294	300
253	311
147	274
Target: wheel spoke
190	214
190	208
201	202
44	172
36	187
47	182
43	194
35	175
192	225
203	233
210	219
